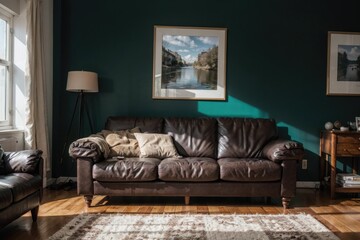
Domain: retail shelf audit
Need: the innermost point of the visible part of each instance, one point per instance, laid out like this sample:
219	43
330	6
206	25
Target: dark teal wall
276	62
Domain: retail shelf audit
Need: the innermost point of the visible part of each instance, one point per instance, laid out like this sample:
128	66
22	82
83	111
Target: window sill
12	130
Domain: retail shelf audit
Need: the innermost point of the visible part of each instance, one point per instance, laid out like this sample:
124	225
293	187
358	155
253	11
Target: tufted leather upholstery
220	157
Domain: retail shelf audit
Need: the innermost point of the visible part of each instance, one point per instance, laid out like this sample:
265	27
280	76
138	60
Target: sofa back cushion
25	161
244	138
150	125
193	137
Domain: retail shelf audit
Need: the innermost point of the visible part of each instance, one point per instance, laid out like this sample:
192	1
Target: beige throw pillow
122	143
156	145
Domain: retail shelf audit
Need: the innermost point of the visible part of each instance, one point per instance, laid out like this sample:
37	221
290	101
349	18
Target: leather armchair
21	176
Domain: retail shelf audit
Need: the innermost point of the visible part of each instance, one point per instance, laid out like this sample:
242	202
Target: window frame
9	18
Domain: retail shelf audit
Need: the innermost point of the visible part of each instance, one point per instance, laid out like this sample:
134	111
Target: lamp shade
78	81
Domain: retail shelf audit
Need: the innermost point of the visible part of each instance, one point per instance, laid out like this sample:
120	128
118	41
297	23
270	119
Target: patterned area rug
193	226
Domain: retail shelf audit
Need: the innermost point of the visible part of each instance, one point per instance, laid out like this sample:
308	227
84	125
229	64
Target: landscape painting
348	63
343	64
189	63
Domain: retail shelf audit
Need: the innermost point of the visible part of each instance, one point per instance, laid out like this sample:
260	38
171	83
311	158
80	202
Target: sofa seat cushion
128	169
249	170
5	197
189	169
21	184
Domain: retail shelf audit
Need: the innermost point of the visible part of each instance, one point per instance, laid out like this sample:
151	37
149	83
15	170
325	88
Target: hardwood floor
342	215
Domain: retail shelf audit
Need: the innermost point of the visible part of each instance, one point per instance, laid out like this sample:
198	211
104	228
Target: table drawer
349	138
348	149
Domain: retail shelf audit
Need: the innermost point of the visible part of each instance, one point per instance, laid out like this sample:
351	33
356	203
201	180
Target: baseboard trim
307	184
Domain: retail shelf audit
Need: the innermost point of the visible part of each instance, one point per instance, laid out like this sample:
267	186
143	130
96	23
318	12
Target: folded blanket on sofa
97	139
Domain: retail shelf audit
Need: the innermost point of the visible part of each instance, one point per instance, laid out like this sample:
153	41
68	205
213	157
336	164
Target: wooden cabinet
334	144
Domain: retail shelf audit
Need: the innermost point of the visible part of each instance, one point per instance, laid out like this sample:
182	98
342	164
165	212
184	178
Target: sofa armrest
282	149
85	185
84	148
26	161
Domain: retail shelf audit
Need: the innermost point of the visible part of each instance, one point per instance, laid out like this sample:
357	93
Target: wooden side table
335	144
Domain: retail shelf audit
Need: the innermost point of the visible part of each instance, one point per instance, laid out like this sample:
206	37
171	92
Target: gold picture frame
343	64
189	63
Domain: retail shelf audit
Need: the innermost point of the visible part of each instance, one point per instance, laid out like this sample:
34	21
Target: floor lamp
81	82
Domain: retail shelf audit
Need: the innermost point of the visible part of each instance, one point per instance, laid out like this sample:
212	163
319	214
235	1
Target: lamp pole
81	82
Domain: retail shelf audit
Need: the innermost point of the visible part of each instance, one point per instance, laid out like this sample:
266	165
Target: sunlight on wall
19	82
310	142
19	54
236	108
20	108
231	108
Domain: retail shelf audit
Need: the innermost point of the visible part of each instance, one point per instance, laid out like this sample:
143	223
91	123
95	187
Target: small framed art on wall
343	64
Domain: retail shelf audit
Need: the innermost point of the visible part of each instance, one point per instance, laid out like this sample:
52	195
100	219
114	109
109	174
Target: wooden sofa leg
88	199
187	200
286	202
34	213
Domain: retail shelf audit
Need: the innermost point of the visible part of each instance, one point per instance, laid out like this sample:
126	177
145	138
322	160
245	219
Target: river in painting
188	77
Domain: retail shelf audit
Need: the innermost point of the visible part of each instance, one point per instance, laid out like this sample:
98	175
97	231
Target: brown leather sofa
20	184
220	157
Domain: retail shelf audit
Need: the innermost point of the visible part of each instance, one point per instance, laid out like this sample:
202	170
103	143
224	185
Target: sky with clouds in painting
352	51
189	46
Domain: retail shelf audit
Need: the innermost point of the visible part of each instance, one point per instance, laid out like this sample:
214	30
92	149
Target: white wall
13	5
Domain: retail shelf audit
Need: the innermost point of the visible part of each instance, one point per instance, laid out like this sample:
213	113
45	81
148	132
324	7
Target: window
6	21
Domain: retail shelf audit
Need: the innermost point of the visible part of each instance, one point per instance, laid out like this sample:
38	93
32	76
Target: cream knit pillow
156	145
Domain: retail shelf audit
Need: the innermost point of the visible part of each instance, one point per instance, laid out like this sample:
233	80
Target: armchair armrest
282	149
91	147
26	161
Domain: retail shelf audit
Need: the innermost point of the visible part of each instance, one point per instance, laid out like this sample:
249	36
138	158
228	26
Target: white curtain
36	128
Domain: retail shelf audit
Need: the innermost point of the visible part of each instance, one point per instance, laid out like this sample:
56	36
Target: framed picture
189	63
357	121
343	64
